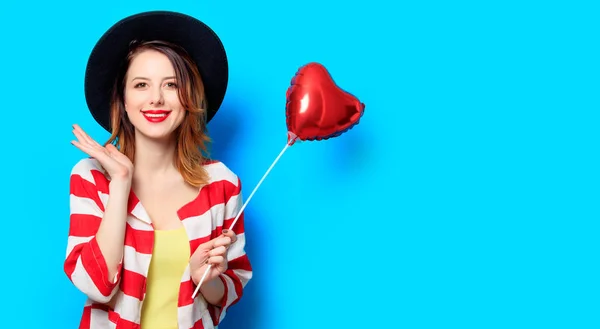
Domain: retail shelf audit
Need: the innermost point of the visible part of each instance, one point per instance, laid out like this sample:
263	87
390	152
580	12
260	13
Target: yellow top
170	256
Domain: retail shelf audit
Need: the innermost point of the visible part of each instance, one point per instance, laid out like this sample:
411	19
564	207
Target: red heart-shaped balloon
317	108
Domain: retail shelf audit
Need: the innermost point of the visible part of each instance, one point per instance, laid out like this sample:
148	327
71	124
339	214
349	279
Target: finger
85	137
112	150
119	156
89	144
79	136
230	234
104	159
81	147
82	136
90	150
82	133
216	260
221	241
85	148
76	127
216	242
218	251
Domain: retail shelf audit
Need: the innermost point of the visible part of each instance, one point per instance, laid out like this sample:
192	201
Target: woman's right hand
116	164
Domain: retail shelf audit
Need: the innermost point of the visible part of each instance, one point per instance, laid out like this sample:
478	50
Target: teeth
155	115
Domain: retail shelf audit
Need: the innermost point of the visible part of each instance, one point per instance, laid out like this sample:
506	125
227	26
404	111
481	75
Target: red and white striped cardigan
116	302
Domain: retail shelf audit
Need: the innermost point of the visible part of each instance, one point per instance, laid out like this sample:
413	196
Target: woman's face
151	95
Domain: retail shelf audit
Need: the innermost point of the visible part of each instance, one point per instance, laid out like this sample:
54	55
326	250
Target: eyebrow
144	78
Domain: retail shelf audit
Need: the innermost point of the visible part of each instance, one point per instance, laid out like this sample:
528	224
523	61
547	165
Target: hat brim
199	40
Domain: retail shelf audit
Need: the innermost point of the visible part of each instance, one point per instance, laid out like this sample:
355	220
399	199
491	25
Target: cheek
174	103
133	100
172	99
180	115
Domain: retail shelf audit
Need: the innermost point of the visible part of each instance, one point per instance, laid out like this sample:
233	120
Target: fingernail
225	231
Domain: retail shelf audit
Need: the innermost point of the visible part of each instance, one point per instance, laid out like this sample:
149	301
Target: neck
153	157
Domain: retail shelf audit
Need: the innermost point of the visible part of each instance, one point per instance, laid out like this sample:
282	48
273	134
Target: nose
156	98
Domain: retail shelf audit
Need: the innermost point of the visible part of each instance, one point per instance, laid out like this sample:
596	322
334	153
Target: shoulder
219	172
88	169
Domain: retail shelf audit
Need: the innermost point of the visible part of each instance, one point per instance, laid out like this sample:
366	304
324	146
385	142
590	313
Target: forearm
111	233
213	291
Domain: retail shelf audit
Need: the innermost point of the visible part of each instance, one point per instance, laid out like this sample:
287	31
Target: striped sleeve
85	265
239	270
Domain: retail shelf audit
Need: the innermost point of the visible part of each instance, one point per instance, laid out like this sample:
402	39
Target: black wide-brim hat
107	57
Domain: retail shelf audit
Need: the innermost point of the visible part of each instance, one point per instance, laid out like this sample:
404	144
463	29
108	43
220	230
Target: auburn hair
191	152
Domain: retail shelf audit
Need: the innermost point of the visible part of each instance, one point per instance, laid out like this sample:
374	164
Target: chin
157	135
156	132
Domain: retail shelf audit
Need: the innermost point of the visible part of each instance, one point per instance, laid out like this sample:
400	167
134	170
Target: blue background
467	197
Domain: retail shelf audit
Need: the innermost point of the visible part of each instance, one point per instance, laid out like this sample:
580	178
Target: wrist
214	290
210	282
120	184
207	281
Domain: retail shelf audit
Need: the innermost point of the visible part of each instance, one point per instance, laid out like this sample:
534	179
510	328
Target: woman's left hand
214	253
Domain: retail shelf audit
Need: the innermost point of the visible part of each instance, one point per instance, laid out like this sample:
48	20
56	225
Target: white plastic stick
241	211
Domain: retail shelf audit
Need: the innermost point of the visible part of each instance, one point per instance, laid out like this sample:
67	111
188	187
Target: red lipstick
156	116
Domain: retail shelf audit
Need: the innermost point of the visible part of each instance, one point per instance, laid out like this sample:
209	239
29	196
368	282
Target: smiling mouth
156	115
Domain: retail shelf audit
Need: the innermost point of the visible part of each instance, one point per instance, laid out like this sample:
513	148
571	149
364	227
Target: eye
171	85
140	85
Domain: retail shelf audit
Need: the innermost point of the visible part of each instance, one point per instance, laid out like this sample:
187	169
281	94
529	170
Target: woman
149	211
